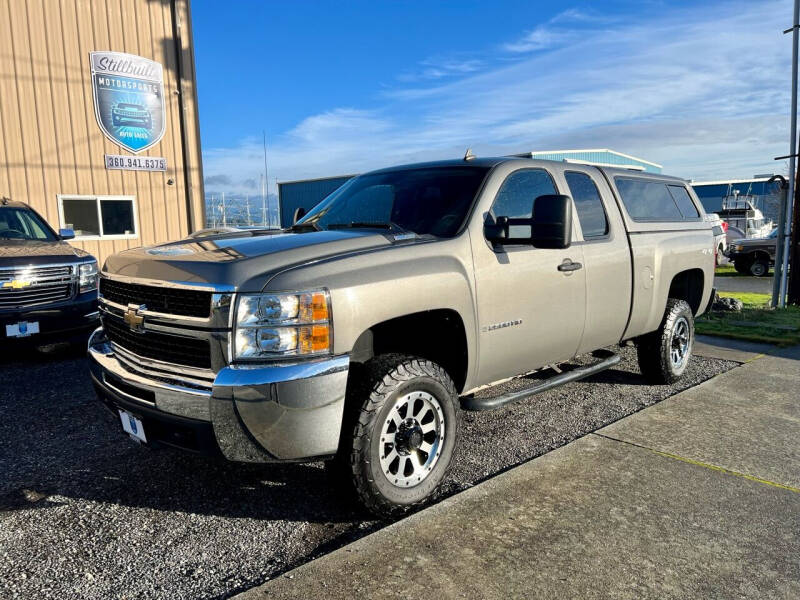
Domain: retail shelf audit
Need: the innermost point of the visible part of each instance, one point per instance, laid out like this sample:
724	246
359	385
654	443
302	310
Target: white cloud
702	91
439	67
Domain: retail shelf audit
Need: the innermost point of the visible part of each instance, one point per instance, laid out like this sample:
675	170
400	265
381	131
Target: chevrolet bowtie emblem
134	317
17	284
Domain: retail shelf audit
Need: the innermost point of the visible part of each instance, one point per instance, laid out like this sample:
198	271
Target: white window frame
97	200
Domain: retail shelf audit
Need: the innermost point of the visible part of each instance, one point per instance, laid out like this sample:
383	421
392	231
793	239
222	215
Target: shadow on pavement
58	440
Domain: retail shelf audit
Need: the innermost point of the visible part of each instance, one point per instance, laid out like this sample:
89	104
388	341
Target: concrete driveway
695	497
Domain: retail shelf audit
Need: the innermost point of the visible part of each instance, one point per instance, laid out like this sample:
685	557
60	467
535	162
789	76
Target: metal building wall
767	195
307	194
50	141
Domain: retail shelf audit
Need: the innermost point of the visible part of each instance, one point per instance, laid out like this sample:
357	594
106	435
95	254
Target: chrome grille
162	347
167	300
21	287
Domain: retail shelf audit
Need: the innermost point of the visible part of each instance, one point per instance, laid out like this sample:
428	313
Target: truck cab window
684	201
591	214
519	190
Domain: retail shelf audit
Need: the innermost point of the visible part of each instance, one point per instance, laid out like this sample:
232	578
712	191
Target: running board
608	360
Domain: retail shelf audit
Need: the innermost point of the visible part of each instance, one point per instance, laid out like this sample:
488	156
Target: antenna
263	203
468	155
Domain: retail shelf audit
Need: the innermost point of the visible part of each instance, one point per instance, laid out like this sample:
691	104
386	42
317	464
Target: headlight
277	325
738	247
88	277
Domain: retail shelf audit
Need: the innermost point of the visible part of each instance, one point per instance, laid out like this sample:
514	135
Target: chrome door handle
568	266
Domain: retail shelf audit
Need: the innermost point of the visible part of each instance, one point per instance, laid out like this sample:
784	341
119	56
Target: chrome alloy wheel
411	439
679	349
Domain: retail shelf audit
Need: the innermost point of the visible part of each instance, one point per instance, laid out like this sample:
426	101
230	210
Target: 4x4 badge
134	318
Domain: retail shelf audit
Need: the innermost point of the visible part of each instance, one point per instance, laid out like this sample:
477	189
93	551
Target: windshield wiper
390	225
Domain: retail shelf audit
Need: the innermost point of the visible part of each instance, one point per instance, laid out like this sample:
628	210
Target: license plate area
22	329
133	426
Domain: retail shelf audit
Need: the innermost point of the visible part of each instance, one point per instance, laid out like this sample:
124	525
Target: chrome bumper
283	412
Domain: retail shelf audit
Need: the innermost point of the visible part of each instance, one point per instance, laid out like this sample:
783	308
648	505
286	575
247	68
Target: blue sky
343	87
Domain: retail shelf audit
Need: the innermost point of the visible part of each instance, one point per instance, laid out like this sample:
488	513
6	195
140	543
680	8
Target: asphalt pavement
86	513
742	283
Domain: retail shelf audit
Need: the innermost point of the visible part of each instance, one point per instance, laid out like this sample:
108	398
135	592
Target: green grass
729	271
757	322
726	271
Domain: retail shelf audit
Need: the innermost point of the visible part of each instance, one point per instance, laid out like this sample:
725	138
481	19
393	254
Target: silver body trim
190	285
280	411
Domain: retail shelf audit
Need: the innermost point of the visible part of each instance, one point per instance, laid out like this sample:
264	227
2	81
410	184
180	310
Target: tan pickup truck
358	334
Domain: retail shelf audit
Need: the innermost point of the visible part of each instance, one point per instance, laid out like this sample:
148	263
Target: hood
245	260
753	242
38	252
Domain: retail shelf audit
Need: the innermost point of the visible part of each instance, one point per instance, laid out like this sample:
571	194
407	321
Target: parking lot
106	518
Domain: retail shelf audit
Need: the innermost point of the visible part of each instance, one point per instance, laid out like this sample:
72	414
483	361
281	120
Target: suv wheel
665	353
405	428
759	268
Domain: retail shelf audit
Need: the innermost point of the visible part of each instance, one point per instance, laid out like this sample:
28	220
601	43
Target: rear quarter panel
660	250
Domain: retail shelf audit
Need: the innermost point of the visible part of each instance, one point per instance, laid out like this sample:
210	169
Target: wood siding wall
50	141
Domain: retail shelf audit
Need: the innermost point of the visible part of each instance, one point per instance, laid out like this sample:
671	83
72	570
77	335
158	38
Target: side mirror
299	213
66	234
551	226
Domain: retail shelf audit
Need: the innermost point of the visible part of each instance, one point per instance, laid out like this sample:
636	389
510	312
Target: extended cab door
530	308
606	256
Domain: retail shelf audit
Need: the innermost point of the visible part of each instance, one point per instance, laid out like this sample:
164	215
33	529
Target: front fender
382	284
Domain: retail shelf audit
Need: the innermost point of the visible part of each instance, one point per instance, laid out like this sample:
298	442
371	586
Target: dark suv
754	256
48	289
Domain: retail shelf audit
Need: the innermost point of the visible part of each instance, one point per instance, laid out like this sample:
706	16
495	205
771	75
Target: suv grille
173	301
47	284
179	350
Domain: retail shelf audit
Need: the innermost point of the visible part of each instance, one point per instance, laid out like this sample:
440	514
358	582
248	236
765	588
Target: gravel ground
85	513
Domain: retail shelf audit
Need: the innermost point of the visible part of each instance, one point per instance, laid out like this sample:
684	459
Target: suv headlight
88	277
279	325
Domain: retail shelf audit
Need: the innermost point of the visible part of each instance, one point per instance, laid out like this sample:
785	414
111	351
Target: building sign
136	163
128	99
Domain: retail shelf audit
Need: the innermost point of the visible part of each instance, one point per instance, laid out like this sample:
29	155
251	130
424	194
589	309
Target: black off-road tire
742	266
759	268
371	397
654	350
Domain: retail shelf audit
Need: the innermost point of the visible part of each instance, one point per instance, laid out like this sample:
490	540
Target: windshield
22	224
124	105
425	201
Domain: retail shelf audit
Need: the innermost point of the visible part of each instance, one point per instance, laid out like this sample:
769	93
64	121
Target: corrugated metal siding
306	194
609	158
50	142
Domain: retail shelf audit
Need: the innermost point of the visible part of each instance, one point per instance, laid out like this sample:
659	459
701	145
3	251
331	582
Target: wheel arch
438	335
688	285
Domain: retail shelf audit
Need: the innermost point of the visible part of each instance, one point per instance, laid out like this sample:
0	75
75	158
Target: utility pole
783	196
791	216
247	202
794	254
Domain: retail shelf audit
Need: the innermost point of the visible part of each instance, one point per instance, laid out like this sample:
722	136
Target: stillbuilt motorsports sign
128	99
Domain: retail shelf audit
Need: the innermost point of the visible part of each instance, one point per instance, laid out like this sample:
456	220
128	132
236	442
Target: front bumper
282	412
59	321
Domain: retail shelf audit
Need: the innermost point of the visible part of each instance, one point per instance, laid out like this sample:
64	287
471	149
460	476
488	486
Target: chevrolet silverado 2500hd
357	334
